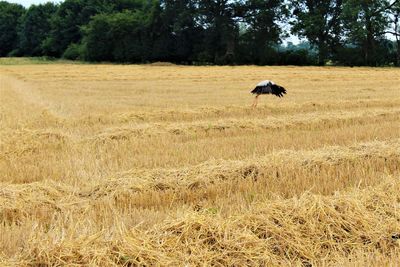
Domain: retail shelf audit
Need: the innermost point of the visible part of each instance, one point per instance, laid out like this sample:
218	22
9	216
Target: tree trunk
396	31
398	52
369	52
369	49
230	50
322	53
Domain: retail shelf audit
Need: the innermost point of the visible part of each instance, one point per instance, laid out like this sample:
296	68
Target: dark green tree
34	28
160	28
260	30
174	30
129	31
9	17
121	37
97	39
218	19
320	22
365	22
67	22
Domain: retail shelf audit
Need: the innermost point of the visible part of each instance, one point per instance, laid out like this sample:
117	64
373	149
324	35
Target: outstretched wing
269	87
262	89
278	90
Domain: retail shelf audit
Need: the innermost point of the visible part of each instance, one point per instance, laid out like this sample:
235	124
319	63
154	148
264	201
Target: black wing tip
280	92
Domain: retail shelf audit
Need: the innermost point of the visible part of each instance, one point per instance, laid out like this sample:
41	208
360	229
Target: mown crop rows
169	165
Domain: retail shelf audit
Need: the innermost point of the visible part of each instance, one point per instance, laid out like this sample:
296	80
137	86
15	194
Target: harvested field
164	165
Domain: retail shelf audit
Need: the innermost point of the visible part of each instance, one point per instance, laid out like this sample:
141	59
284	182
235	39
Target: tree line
341	32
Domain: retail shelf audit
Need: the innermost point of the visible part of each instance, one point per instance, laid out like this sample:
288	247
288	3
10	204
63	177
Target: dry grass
165	165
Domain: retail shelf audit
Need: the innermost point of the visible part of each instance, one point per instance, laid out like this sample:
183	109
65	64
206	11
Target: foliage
260	30
9	16
34	28
74	52
118	37
345	32
67	21
364	22
319	22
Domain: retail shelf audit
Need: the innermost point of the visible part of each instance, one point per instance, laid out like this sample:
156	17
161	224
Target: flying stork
267	87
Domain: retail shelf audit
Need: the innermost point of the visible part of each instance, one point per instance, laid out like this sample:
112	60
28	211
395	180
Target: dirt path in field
21	101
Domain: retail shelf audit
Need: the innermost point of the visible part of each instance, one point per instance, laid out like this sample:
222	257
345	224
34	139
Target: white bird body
265	83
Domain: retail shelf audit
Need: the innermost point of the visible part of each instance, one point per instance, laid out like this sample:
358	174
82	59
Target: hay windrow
227	112
299	230
140	187
307	230
29	142
307	121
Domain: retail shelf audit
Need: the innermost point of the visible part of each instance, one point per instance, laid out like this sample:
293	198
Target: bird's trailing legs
255	101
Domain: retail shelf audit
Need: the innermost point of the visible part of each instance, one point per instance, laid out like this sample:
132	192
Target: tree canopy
342	32
9	17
